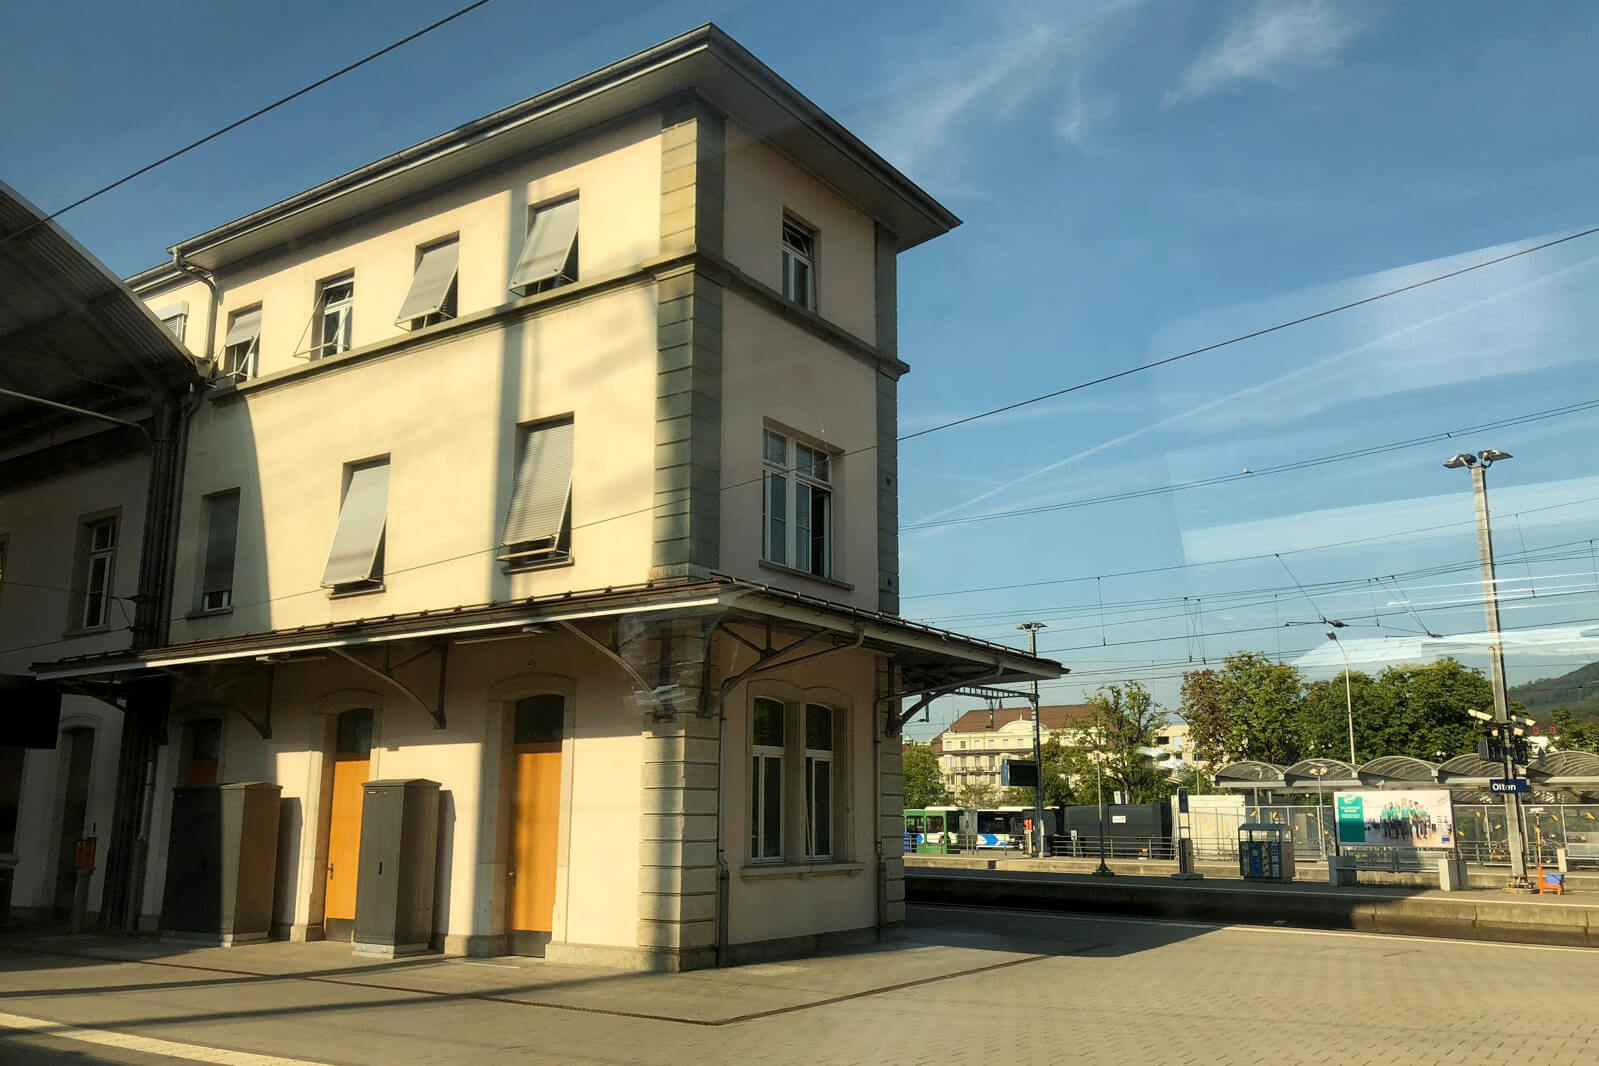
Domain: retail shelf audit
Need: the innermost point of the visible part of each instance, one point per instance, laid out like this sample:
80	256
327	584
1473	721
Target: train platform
1470	914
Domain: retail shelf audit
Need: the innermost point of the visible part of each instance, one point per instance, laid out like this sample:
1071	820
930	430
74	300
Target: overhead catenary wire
252	116
1254	473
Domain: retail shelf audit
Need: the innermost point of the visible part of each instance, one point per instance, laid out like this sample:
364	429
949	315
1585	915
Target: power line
1221	479
230	127
1256	333
1234	559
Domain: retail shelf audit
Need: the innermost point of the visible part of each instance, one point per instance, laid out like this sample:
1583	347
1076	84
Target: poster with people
1395	818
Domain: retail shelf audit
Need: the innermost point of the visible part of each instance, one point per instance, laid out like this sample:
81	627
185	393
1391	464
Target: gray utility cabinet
222	862
399	865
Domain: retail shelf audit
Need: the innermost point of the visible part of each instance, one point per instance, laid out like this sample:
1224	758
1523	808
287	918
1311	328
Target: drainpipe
162	523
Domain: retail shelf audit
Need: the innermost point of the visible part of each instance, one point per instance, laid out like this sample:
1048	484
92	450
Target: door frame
311	897
492	910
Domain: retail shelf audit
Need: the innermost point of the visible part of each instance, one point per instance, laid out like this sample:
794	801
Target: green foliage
1068	774
1016	796
1246	710
1254	708
924	784
976	795
1125	720
1571	734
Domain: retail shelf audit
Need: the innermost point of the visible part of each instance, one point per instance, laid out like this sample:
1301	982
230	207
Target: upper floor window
221	515
538	526
549	258
432	298
96	566
241	347
333	320
798	505
174	318
355	561
799	263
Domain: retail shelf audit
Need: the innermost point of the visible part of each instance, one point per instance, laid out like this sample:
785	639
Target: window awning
549	245
361	522
246	327
543	486
431	286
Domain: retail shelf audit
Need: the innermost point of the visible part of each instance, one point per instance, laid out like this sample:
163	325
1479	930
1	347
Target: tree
1572	735
1421	709
1125	720
924	782
1016	796
1323	723
977	795
1068	774
1248	709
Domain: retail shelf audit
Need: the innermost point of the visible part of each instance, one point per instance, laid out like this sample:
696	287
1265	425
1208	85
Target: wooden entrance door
351	762
535	822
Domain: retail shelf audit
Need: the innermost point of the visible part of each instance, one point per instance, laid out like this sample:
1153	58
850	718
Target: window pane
802	528
818	728
772	816
822	808
206	742
776	513
776	449
355	733
935	823
768	724
819	546
105	535
802	283
755	806
539	719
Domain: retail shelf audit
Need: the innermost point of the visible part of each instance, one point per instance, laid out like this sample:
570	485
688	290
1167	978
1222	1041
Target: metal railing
1087	847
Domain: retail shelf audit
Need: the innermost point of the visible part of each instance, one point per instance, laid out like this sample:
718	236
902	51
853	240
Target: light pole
1032	628
1349	700
1321	813
1478	465
1099	775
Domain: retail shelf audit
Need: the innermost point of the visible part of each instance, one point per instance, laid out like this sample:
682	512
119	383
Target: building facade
973	750
552	460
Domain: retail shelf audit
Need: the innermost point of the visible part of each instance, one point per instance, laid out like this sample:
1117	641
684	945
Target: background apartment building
552	460
975	747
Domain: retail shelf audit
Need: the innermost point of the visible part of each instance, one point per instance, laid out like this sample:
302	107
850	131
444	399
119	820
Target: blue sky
1137	179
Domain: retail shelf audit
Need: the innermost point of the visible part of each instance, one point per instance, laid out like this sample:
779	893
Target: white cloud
1270	43
972	73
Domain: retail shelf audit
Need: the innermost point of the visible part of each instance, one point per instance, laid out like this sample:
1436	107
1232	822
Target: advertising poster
1396	818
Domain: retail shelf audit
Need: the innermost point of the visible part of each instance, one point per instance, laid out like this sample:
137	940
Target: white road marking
148	1045
1268	929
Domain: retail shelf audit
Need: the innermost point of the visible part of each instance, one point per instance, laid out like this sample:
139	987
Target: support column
677	843
890	808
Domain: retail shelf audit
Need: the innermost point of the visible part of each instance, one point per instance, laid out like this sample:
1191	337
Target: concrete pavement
966	986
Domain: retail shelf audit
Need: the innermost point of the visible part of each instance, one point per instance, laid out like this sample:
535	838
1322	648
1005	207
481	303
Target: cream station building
553	460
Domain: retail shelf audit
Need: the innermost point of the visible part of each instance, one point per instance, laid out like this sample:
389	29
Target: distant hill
1578	690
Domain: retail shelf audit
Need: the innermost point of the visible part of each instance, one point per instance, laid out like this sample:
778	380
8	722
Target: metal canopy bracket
647	692
928	695
263	727
435	712
770	658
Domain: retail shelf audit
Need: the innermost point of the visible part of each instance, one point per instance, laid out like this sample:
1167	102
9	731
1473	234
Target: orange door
344	834
535	823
